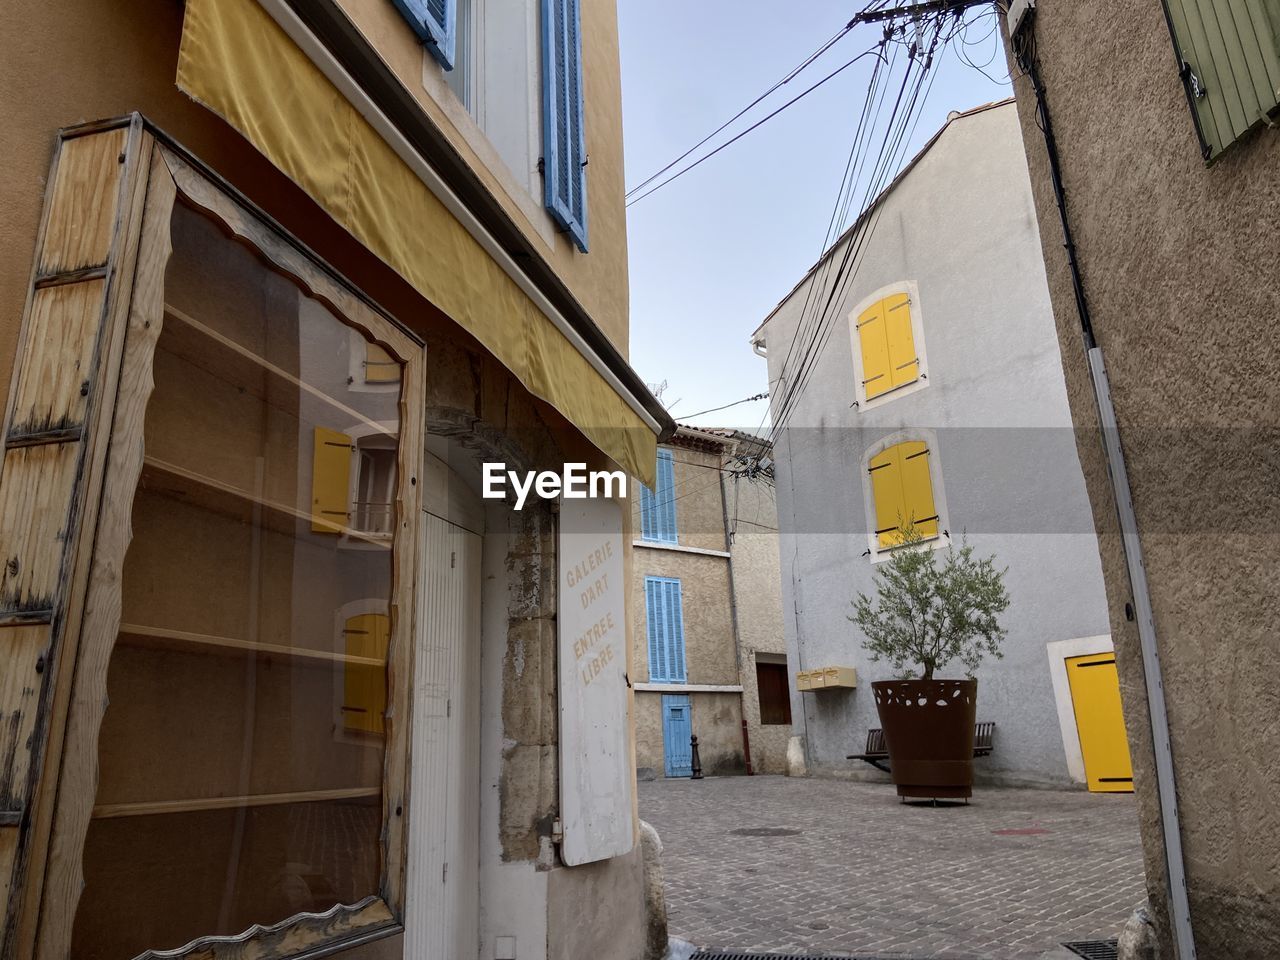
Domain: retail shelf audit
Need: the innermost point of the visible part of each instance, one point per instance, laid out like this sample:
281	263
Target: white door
442	903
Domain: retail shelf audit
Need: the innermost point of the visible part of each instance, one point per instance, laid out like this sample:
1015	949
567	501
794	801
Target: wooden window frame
129	201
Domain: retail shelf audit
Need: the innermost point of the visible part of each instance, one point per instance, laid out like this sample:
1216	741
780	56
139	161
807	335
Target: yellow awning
238	62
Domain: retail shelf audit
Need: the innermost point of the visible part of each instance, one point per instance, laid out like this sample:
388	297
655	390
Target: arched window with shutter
902	494
888	344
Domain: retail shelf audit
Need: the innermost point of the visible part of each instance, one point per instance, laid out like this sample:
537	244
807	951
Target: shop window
664	618
773	692
224	798
658	506
902	493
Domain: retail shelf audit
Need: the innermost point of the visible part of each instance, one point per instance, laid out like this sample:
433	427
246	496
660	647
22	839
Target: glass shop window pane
241	755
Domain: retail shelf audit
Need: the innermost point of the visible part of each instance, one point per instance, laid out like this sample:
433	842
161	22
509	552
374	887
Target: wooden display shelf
150	808
236	351
138	635
222	497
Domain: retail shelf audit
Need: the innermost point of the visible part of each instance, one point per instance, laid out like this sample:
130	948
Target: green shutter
1230	62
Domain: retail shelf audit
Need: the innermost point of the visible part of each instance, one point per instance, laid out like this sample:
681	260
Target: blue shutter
435	23
664	615
564	143
658	507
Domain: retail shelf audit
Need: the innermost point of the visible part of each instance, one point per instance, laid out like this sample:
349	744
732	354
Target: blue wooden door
677	728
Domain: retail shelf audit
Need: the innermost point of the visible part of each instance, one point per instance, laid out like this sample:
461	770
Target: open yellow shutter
886	492
378	365
917	488
904	366
364	700
872	339
330	481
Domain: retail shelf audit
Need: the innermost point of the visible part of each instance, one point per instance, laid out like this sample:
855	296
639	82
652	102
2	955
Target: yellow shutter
904	366
379	367
917	488
330	481
1095	698
364	700
872	339
886	492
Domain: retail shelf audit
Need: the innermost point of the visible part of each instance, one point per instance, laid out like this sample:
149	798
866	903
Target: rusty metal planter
928	727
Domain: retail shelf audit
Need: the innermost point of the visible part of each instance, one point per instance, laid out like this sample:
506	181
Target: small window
658	506
664	619
375	485
902	491
1229	62
886	343
775	698
379	366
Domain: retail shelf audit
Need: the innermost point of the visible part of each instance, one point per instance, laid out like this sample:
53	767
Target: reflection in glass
242	751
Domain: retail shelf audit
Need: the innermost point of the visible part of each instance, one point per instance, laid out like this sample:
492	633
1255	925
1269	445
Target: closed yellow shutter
1095	698
379	367
904	366
364	700
886	492
873	341
330	482
917	488
903	492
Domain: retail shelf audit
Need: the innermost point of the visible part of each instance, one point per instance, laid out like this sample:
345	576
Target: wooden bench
877	752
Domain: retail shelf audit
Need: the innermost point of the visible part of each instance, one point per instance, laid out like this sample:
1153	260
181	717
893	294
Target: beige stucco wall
717	723
599	278
698	502
753	521
1179	266
648	729
708	623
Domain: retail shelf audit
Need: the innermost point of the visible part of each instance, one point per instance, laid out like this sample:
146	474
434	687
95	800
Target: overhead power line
790	75
759	123
758	396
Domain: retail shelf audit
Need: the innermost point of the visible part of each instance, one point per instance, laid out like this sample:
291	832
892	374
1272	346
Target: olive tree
927	613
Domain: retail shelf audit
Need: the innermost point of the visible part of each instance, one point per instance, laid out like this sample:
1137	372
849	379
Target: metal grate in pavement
1094	949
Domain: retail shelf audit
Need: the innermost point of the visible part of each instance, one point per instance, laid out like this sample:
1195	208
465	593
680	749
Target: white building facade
939	399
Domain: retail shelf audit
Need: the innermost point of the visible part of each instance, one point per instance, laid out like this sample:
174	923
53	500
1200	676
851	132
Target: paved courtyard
1008	877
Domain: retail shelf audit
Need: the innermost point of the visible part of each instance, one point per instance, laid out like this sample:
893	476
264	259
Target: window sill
677	548
880	554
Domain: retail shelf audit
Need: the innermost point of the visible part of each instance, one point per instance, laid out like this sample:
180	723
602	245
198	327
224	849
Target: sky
712	253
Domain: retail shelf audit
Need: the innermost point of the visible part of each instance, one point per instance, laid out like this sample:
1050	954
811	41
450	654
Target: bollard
697	760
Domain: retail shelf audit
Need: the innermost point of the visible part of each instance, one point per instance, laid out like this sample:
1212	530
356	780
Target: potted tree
925	615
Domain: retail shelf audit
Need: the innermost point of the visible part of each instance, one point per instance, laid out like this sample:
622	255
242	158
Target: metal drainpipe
1166	781
733	615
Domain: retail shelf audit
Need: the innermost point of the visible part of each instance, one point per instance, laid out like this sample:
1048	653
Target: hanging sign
595	753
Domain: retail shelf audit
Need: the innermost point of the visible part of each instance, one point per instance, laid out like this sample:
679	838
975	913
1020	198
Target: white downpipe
317	53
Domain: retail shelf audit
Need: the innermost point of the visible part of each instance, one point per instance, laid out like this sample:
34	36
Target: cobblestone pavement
868	876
